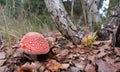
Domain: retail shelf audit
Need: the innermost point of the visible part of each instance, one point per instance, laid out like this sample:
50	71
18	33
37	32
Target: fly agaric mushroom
34	43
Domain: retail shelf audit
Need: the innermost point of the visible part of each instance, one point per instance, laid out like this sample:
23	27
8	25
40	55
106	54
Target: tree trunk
116	40
63	22
113	25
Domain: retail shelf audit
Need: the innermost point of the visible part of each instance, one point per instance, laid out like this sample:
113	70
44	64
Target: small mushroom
34	43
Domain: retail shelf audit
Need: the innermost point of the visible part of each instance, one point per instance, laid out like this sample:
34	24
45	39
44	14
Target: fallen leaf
3	69
51	41
27	67
95	51
80	50
70	56
64	52
69	45
112	62
90	68
2	55
104	66
102	51
53	65
81	65
56	50
2	62
92	58
65	66
96	43
74	69
117	59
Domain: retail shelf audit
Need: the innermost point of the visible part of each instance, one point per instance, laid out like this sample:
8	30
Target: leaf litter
64	56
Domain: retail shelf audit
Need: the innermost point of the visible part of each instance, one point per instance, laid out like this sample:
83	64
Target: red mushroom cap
34	43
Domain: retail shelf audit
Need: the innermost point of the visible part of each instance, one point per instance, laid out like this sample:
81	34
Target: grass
20	25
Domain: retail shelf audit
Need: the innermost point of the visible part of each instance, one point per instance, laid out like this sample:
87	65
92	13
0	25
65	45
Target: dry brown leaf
69	45
92	58
95	51
65	66
112	62
2	58
27	67
3	68
74	69
80	50
64	52
2	62
81	65
90	68
53	65
2	55
51	41
102	51
56	50
105	66
97	43
58	35
101	54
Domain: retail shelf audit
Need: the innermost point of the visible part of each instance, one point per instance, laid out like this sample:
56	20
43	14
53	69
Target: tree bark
116	16
63	22
113	25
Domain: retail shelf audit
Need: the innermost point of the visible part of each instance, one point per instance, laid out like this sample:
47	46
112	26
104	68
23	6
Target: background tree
63	21
90	11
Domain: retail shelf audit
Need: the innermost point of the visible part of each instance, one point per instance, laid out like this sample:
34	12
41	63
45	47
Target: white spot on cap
29	49
33	44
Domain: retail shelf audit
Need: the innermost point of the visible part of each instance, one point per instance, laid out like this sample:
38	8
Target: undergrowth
18	25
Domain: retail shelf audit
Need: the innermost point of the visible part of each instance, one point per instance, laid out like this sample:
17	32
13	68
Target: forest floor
63	57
